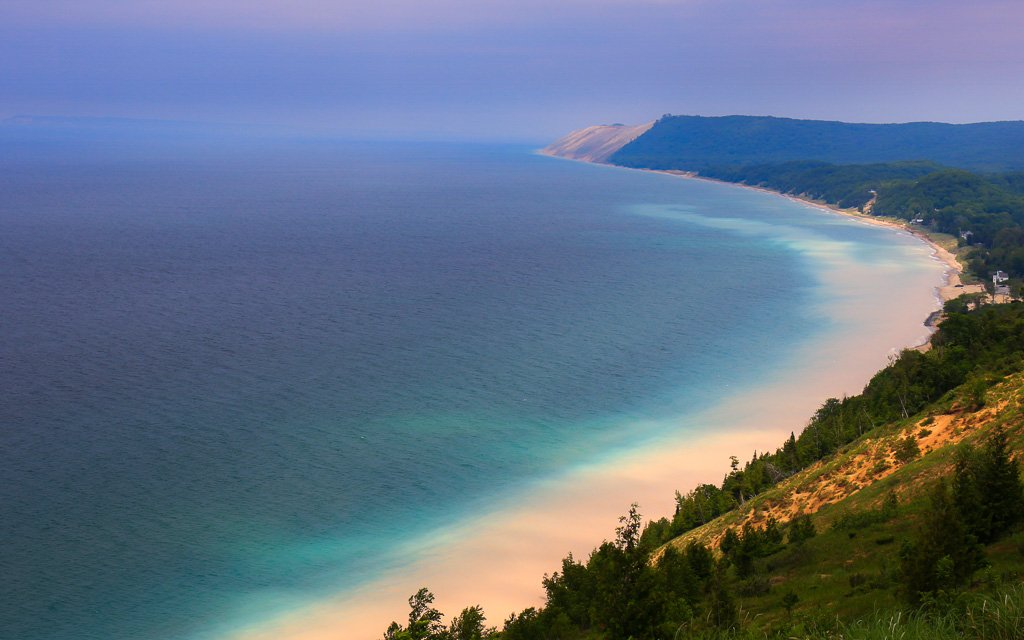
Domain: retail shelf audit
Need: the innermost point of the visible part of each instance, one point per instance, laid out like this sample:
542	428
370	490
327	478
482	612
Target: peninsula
898	511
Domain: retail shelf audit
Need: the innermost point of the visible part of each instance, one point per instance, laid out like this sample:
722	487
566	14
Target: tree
729	542
749	548
907	449
722	610
789	601
629	594
395	632
627	535
964	489
801	529
469	625
700	560
571	591
999	483
943	555
525	626
680	580
790	457
986	489
424	620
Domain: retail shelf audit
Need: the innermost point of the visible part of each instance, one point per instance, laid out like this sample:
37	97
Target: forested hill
693	143
964	180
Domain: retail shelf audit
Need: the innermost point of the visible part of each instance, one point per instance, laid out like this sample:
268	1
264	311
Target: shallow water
237	384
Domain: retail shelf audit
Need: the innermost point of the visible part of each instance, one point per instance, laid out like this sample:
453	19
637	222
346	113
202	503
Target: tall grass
997	618
980	617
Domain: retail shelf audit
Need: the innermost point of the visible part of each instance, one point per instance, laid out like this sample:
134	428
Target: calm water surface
231	382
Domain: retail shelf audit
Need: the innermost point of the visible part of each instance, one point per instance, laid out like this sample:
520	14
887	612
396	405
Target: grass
998	616
850	570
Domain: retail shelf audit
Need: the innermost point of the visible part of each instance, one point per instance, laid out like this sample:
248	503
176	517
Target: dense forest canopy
694	143
845	185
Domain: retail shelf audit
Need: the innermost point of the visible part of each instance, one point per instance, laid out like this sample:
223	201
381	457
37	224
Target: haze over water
235	384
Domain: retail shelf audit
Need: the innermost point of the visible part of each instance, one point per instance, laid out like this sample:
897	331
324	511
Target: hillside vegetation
848	186
694	143
984	214
897	511
943	177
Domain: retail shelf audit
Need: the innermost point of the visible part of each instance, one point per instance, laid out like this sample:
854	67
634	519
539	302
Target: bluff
595	144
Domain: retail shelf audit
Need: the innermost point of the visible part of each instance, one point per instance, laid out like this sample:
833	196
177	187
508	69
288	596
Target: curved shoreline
955	268
951	289
524	536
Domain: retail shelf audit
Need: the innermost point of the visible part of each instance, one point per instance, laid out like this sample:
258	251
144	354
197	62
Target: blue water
231	383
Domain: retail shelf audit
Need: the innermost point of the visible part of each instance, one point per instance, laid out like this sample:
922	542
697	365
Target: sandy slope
595	144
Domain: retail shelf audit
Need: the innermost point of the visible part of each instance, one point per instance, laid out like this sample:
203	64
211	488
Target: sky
510	69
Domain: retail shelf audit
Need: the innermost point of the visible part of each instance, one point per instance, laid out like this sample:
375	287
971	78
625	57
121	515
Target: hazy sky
526	69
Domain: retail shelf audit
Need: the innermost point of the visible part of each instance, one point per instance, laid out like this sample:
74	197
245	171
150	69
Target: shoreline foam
526	536
945	292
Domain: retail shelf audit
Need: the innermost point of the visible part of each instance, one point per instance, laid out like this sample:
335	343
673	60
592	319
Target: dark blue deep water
230	382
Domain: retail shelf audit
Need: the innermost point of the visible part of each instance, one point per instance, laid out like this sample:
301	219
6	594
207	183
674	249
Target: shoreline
946	292
951	289
953	286
523	537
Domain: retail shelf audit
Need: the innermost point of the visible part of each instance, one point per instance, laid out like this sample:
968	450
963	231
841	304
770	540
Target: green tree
801	529
424	620
964	489
680	580
722	610
942	541
527	625
627	534
730	541
700	561
999	484
789	601
771	537
572	591
907	449
469	625
743	555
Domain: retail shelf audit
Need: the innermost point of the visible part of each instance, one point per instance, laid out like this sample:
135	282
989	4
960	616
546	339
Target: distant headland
694	143
959	185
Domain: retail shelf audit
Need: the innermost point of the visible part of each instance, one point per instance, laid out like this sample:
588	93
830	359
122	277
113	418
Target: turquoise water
233	383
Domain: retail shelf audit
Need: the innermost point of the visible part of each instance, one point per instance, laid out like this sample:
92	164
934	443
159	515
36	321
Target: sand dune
595	144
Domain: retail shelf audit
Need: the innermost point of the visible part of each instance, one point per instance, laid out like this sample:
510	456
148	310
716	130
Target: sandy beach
953	286
498	559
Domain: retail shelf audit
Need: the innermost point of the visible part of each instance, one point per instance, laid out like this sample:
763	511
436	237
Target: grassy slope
849	573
